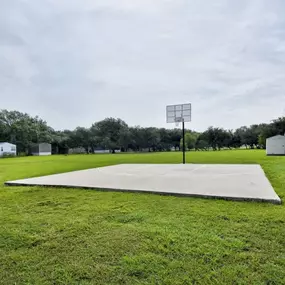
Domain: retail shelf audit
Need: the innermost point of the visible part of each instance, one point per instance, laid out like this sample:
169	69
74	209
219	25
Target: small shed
101	150
7	149
275	145
77	150
40	149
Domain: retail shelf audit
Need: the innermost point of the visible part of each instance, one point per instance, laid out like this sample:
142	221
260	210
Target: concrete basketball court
234	182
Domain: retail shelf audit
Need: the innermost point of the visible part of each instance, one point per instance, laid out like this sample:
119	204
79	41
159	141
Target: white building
7	149
77	150
275	145
99	150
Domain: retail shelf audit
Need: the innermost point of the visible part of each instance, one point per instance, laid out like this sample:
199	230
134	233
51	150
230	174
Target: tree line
115	134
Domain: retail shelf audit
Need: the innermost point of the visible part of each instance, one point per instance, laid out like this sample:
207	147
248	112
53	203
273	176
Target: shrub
7	155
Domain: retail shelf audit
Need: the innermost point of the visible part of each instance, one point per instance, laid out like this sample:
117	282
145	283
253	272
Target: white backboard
178	113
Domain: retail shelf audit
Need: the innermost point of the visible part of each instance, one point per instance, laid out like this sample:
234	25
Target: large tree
279	125
109	132
190	140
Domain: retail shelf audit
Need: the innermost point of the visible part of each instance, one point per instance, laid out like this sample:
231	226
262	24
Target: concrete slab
235	182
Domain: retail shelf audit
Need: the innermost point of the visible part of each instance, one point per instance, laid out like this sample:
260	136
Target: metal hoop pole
183	138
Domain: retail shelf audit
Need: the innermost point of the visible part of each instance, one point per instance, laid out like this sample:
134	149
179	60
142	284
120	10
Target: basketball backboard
178	113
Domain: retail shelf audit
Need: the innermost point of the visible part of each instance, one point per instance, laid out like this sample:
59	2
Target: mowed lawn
76	236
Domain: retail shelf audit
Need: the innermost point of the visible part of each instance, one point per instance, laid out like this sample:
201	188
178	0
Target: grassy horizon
76	236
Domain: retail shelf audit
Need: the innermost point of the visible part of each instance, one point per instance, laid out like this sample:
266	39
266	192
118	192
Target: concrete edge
102	189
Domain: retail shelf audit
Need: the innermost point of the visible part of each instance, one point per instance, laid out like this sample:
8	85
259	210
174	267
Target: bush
7	155
22	154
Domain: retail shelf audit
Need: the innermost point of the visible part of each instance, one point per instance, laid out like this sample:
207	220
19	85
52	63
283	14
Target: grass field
75	236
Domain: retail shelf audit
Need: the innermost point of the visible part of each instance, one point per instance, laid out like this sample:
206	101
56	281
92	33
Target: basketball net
178	121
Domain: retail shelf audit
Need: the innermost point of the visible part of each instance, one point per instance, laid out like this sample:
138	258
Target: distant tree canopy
24	130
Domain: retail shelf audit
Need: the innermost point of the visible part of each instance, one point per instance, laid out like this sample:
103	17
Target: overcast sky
74	62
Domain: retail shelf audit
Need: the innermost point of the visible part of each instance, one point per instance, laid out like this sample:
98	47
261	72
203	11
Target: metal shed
275	145
40	149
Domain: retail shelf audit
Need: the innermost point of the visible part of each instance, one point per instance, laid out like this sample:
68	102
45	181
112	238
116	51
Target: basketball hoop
177	114
178	120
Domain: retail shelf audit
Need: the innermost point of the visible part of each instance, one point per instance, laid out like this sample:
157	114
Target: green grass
76	236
